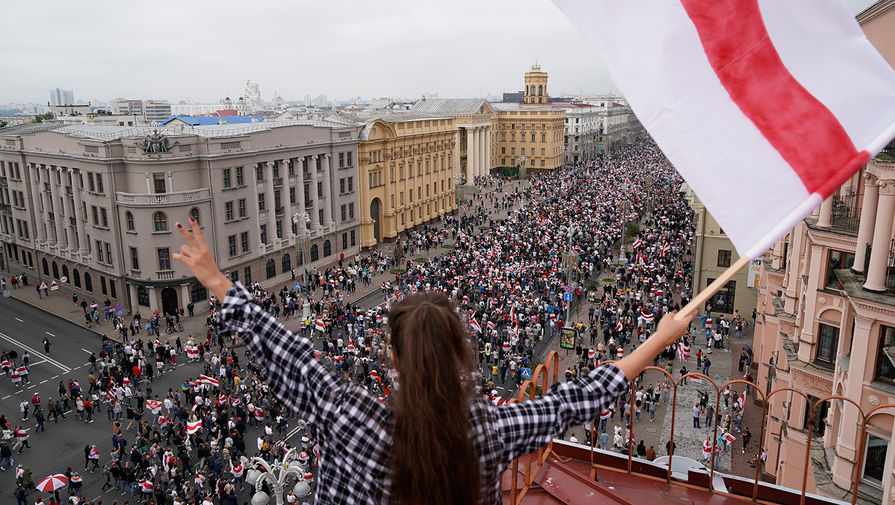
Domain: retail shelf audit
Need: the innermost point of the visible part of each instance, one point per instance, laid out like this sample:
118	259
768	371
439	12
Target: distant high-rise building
124	106
307	100
156	111
60	96
253	97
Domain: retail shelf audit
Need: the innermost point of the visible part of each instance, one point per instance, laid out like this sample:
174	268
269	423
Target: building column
826	213
153	301
882	235
456	156
287	203
39	220
300	191
134	304
69	212
488	165
315	198
253	211
470	155
184	295
328	193
47	206
79	216
271	204
868	219
849	419
483	152
57	214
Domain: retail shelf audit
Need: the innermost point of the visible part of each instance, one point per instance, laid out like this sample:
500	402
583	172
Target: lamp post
276	476
522	169
303	221
571	236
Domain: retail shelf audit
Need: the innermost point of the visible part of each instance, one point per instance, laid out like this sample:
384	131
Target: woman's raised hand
197	256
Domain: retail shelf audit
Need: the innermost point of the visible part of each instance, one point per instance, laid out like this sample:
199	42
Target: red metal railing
543	377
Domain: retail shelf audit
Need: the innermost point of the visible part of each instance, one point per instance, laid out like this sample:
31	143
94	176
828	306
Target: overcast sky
204	50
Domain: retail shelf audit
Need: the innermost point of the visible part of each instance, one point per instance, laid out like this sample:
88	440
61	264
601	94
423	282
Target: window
348	157
99	183
342	185
341	160
88	282
259	173
839	260
292	195
112	290
320	217
227	182
241	204
158	181
234	276
198	292
353	241
351	184
99	252
875	459
108	253
231	245
135	259
327	248
260	202
320	189
94	210
142	296
90	184
722	301
263	233
164	258
286	263
244	241
77	277
314	254
885	356
271	269
129	219
239	178
247	275
827	344
228	211
102	284
279	229
160	221
723	258
351	210
194	213
344	241
104	217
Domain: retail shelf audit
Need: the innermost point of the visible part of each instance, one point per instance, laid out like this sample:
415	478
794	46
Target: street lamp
303	221
521	160
276	475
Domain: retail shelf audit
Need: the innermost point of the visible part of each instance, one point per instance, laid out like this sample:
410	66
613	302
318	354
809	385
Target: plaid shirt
354	428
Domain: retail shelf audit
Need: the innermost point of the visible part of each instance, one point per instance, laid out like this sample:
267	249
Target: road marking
50	334
75	368
85	350
7	396
19	320
53	377
34	351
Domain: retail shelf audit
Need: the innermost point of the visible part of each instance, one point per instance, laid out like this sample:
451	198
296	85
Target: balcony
165	275
163	199
583	473
845	216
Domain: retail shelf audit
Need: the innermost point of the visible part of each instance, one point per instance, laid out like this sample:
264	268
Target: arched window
129	218
540	90
314	254
46	266
64	271
194	213
55	270
76	277
327	249
287	263
532	89
88	283
160	220
271	269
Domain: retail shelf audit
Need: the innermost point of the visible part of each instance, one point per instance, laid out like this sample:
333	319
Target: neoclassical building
407	163
474	119
94	207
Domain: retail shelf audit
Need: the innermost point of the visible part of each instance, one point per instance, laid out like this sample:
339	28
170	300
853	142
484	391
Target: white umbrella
52	483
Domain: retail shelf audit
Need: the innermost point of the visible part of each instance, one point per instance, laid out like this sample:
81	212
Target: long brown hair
433	458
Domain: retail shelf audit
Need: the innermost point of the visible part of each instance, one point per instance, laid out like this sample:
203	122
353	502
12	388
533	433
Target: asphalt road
23	327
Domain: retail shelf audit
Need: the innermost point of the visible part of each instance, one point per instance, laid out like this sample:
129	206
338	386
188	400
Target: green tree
40	118
398	252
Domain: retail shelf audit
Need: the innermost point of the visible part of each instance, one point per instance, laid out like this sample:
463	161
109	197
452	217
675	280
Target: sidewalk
59	302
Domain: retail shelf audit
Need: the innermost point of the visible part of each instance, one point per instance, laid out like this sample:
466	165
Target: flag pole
713	288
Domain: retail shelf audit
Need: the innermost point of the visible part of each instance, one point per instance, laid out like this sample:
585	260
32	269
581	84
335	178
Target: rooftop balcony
163	199
573	473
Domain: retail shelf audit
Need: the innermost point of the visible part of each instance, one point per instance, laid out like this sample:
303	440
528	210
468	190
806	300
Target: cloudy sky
203	50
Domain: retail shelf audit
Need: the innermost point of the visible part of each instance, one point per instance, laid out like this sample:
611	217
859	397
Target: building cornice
874	11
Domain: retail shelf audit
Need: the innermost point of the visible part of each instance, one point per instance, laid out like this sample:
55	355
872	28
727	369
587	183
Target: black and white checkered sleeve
523	427
287	360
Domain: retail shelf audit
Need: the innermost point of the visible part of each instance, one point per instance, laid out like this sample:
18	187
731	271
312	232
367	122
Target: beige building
474	120
531	132
407	163
826	326
714	253
97	205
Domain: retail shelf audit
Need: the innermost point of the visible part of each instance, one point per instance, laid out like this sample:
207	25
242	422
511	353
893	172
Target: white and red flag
320	324
683	351
741	96
153	405
193	427
211	381
637	243
743	401
475	325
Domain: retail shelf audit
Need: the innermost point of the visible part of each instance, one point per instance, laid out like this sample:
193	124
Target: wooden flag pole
712	288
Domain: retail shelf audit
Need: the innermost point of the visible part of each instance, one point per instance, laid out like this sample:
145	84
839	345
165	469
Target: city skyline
197	52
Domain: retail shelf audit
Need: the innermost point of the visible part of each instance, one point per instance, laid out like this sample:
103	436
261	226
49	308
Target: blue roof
213	120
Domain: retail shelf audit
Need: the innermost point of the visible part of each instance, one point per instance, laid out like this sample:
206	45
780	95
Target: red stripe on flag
738	47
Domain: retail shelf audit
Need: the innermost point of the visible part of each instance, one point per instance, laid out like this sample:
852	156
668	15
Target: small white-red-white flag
211	381
475	325
320	324
193	427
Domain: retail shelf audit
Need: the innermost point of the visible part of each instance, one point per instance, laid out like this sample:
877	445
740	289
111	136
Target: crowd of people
516	258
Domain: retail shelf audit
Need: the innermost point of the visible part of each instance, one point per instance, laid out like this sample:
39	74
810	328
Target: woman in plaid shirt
439	443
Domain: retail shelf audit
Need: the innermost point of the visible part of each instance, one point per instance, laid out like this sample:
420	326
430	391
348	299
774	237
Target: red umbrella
52	483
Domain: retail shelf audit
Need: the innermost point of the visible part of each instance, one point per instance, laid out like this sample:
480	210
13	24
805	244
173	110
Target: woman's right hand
197	256
671	327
